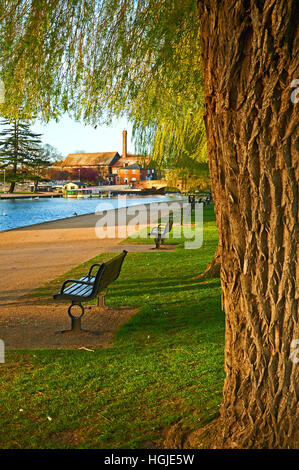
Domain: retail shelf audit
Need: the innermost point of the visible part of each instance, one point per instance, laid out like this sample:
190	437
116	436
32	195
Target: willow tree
99	57
250	57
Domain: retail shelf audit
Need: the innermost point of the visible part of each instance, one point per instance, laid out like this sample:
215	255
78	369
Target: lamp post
4	181
79	173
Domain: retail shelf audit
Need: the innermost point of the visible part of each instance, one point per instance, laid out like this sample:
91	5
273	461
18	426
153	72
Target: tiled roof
91	159
130	160
77	183
134	167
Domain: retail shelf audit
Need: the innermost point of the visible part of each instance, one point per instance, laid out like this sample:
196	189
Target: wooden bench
160	232
94	284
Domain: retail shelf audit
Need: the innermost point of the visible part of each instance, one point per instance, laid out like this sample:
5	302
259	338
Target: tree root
213	268
181	437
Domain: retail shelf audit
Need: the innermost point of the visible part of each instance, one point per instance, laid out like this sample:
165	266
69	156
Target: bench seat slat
83	291
74	286
80	290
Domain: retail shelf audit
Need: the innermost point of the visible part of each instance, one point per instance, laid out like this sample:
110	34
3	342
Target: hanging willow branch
96	59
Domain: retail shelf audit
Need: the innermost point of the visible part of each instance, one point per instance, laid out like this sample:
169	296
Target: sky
69	136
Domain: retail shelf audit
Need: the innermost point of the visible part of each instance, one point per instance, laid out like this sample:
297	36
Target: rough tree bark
250	57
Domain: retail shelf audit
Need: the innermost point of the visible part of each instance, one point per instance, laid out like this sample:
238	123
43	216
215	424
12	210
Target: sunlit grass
165	364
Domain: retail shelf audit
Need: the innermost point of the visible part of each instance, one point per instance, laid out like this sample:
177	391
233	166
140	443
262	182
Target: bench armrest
155	230
159	229
91	268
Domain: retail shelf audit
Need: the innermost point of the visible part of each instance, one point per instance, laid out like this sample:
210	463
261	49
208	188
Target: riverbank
4	196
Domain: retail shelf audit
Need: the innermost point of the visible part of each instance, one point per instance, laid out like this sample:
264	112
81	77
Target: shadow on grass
166	362
167	287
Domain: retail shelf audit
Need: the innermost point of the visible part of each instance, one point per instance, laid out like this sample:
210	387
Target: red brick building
102	162
111	167
130	174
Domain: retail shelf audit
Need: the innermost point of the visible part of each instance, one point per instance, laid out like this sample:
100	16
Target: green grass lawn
143	237
165	364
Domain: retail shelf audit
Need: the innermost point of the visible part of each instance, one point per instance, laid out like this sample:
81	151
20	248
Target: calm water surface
16	213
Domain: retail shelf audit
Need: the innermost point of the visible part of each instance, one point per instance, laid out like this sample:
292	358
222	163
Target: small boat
71	194
82	193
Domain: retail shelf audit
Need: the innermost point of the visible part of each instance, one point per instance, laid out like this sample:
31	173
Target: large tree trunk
12	187
249	60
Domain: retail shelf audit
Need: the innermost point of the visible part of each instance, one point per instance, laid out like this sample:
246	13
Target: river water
15	213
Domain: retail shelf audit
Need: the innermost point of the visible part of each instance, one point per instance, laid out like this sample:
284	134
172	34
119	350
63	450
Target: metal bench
204	200
160	232
94	284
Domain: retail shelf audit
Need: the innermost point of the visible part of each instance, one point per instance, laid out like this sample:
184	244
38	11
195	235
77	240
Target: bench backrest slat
108	272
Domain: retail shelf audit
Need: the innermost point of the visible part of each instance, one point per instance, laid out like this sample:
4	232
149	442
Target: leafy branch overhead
96	59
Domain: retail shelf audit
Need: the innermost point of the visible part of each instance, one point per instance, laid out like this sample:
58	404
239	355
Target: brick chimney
124	144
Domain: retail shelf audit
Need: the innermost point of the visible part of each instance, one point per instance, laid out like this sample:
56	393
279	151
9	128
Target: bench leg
101	301
158	242
76	322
